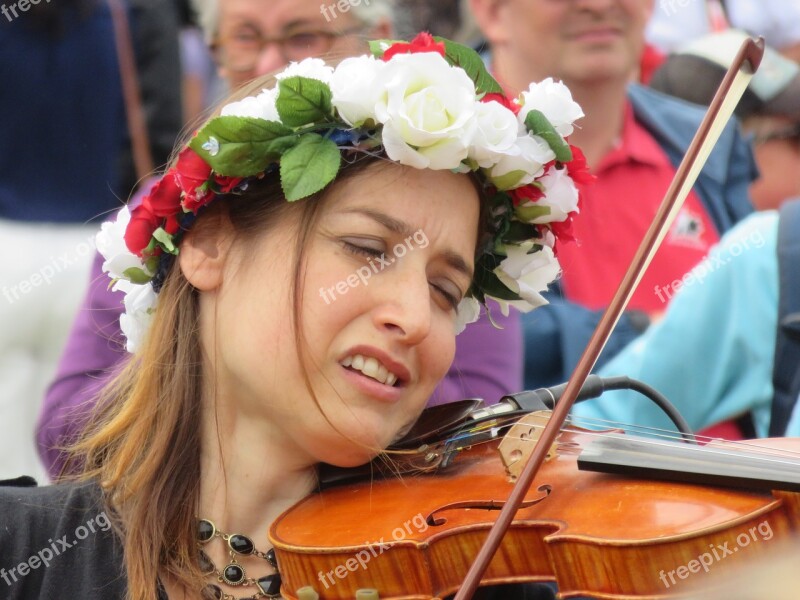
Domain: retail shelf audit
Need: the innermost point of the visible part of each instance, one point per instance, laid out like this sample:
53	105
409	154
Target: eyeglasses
239	51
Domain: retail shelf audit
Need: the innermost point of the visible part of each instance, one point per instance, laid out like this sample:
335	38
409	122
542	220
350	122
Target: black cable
627	383
594	387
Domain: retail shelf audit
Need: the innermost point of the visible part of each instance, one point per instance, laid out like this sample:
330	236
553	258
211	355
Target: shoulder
57	541
757	232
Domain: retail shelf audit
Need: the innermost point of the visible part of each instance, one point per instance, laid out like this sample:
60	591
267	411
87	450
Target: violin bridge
518	444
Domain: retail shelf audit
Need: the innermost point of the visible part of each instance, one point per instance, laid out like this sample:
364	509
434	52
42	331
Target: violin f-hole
434	519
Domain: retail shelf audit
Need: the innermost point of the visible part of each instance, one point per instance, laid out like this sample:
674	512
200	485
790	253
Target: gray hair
368	12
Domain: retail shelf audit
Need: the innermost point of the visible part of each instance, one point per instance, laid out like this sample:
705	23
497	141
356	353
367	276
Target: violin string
667	434
668	437
768	455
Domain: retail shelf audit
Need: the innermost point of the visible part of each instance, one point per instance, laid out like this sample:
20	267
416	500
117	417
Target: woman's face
389	259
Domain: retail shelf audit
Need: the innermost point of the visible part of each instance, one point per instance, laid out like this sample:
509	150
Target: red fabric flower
172	226
526	193
504	100
165	197
563	232
578	169
424	42
226	184
191	173
141	227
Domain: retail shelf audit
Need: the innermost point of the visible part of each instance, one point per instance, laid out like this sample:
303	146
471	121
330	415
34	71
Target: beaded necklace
234	573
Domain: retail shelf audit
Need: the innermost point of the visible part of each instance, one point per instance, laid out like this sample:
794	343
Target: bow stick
719	112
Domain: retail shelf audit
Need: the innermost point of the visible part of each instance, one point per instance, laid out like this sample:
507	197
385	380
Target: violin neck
704	465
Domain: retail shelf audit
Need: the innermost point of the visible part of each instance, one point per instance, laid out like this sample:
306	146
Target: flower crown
428	104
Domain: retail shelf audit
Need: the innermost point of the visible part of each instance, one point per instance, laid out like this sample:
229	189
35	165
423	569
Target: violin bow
719	112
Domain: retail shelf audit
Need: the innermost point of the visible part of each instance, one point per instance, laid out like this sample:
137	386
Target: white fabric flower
110	242
527	275
140	300
555	101
311	68
495	134
427	111
561	196
140	303
354	91
468	311
260	107
524	163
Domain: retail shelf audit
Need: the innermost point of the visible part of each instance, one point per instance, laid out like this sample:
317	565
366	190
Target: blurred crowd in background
94	95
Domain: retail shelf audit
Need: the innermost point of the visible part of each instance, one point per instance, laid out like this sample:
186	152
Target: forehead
439	202
277	15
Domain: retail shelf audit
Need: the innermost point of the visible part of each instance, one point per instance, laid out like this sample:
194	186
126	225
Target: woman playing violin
293	287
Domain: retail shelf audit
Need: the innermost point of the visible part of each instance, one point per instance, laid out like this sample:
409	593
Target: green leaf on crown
537	124
302	101
489	284
165	241
508	180
529	213
517	232
242	146
309	166
136	275
469	60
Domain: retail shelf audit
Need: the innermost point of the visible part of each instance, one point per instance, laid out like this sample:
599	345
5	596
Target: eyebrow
451	257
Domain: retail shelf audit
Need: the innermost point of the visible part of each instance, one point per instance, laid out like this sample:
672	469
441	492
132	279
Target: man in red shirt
633	139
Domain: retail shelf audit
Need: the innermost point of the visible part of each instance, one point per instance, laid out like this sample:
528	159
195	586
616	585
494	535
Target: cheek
440	348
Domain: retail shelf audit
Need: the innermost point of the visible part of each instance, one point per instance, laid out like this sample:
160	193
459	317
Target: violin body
601	535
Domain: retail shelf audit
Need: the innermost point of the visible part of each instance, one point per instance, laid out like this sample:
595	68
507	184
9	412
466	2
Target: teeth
370	367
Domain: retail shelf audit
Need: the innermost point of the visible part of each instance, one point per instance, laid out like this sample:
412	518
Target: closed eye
361	250
452	299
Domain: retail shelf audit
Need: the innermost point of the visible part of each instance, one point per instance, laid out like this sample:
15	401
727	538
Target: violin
479	512
598	534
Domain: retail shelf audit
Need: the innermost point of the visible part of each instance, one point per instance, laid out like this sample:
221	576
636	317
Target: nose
269	59
404	303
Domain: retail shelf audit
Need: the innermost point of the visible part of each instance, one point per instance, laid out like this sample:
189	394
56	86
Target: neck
248	476
601	129
602	102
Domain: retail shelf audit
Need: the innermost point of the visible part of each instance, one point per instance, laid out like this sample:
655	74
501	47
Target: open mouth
372	368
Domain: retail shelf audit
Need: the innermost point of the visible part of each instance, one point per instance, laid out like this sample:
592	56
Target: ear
489	16
205	250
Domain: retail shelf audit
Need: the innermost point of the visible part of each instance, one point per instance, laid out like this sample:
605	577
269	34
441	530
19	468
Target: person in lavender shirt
250	38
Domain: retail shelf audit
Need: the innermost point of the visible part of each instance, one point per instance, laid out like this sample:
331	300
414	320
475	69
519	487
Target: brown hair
143	445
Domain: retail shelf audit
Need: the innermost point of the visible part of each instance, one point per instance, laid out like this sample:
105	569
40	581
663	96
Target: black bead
206	565
212	591
241	544
271	558
233	574
205	530
270	584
